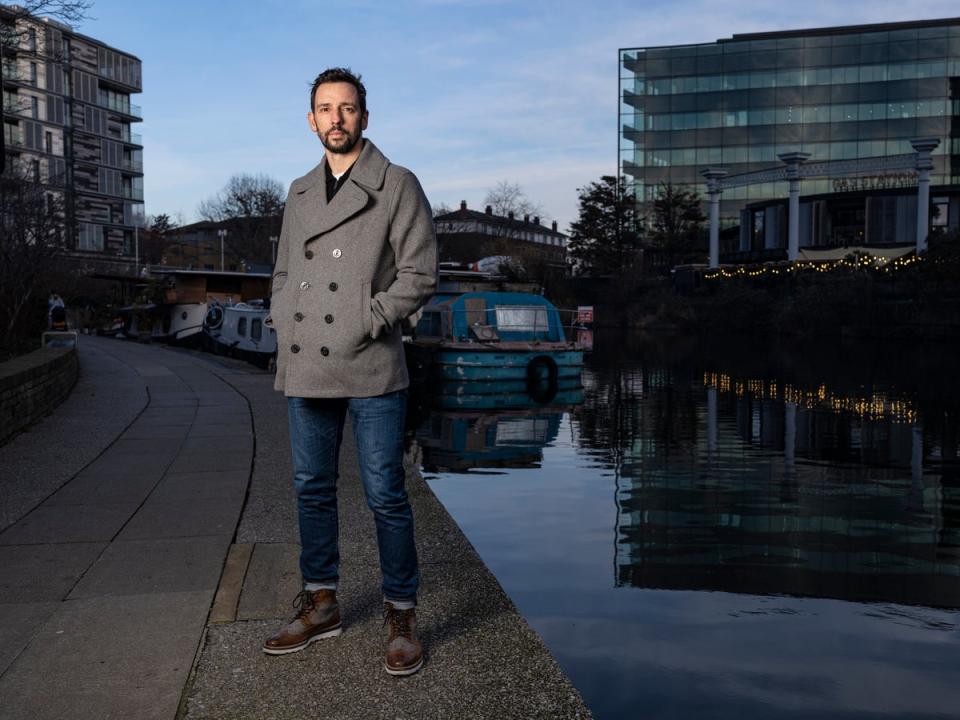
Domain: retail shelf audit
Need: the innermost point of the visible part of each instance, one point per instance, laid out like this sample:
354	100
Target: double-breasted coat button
308	254
333	287
298	316
324	351
304	285
294	348
328	318
337	253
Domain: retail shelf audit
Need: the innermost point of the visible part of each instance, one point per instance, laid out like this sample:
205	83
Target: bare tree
251	206
441	209
507	198
523	260
31	240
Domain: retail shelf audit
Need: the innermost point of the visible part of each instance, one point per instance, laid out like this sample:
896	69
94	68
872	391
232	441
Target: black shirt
333	185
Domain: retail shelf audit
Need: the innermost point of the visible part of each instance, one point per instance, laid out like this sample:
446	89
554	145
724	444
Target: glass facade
838	93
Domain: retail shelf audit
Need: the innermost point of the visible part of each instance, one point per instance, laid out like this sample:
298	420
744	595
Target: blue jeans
316	431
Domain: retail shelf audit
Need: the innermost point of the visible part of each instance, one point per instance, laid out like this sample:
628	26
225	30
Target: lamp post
273	241
222	234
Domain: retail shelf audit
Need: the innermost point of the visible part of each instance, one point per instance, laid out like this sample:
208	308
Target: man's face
336	117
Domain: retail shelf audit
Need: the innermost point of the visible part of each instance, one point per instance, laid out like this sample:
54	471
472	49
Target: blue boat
496	336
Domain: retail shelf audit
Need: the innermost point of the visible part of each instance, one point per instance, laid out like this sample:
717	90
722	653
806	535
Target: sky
466	93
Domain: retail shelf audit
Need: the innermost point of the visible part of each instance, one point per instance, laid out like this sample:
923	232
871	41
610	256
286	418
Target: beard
343	145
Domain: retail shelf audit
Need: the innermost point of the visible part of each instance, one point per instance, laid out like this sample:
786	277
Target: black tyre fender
540	391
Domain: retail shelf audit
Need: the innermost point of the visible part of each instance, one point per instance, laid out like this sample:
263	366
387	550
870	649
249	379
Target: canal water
725	529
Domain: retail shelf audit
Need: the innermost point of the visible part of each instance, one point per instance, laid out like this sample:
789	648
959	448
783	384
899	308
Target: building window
242	327
91	237
33	73
940	212
35	170
35	108
48	143
32	40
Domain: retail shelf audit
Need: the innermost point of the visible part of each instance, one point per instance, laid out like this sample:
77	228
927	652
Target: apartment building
68	122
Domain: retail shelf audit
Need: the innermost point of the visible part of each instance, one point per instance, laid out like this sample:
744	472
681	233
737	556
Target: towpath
148	543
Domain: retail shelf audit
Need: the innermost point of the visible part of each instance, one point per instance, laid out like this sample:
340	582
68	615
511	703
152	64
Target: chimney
510	214
554	225
526	219
463	204
489	210
536	220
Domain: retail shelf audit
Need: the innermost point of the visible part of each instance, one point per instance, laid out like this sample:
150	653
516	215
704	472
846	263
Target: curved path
150	542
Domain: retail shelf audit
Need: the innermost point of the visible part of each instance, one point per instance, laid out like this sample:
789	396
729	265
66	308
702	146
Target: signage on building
585	314
875	182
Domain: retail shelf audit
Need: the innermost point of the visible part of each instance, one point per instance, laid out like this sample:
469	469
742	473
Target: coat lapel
317	215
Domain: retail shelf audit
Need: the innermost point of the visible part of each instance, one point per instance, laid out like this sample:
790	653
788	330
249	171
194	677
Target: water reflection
782	519
818	493
461	427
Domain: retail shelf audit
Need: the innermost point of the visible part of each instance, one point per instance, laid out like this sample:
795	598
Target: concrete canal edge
482	659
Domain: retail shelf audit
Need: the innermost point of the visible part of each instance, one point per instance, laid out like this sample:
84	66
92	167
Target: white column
711	423
793	161
793	221
923	146
790	436
713	176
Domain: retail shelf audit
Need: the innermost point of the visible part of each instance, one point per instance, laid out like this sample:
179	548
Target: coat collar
317	215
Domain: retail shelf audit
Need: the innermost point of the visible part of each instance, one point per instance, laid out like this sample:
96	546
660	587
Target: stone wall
32	385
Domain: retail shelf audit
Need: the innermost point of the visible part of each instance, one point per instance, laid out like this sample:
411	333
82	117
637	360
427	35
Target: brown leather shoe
404	651
318	617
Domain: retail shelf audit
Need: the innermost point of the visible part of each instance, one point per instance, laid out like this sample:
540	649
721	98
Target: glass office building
837	93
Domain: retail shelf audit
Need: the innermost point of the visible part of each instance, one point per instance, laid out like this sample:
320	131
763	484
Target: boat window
256	329
242	327
522	318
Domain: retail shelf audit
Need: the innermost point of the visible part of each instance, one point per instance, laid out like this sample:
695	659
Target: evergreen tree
604	240
676	226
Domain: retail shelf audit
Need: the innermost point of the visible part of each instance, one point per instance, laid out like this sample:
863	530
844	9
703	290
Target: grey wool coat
347	274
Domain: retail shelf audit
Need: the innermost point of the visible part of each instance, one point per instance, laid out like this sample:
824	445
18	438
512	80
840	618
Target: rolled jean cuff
313	587
408	604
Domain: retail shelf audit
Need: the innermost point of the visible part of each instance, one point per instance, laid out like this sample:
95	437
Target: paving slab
211	459
214	484
107	657
40	573
183	519
97	488
19	622
69	524
271	582
135	567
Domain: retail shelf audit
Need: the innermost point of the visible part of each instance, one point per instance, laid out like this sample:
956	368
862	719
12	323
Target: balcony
132	166
132	138
132	193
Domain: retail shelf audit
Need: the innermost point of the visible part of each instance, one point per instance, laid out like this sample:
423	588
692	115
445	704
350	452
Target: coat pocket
365	309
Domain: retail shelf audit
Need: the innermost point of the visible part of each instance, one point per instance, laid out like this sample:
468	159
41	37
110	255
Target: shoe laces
399	621
304	603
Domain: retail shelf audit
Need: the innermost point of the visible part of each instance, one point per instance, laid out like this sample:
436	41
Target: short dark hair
338	74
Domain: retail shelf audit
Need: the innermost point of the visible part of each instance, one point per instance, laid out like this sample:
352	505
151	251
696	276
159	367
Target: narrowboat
497	336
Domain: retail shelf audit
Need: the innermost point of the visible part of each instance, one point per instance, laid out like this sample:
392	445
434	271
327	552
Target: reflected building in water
755	487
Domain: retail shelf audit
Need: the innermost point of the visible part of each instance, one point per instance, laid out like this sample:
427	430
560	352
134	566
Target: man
357	255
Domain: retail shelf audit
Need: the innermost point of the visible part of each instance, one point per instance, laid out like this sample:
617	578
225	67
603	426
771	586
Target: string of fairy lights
859	261
877	406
